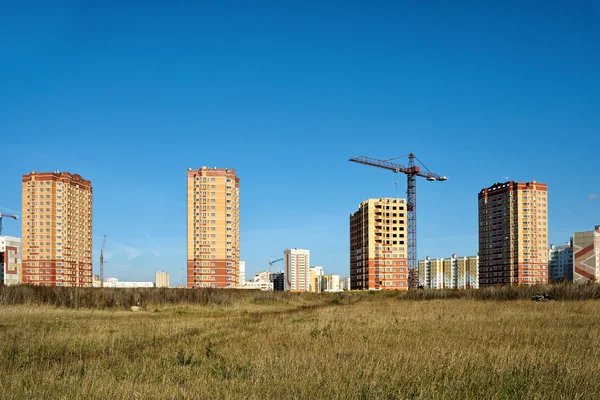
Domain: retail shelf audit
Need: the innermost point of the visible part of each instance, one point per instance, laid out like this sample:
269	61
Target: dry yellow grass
352	347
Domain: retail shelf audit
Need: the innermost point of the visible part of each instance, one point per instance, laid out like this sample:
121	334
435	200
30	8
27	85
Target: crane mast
102	262
411	171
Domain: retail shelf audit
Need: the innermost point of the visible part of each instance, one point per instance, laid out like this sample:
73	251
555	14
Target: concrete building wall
586	256
378	245
213	248
10	260
57	229
560	263
513	234
162	279
297	270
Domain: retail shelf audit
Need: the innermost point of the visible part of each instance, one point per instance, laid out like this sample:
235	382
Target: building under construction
378	245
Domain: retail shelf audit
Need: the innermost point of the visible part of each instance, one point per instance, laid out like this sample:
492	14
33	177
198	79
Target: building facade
586	256
513	234
261	281
449	273
331	283
242	273
296	270
345	283
213	228
162	279
560	263
378	245
277	279
315	282
115	283
57	229
10	260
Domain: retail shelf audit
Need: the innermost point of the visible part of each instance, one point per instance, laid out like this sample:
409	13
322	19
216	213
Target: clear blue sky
129	96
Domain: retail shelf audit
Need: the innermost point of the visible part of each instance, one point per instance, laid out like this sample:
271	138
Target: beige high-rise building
57	229
162	279
378	245
513	234
213	228
297	270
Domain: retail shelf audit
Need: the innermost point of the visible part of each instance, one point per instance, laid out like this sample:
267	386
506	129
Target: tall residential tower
513	234
57	229
378	245
213	228
297	270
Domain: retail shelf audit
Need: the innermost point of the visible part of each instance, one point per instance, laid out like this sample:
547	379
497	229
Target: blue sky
130	96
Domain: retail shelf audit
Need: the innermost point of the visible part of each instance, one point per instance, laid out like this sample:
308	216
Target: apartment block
162	279
262	281
277	279
315	282
379	245
331	283
560	263
213	228
586	256
513	234
449	273
296	270
242	273
345	284
10	260
57	229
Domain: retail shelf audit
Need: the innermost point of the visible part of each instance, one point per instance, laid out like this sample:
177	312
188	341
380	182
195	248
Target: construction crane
411	171
15	217
102	262
271	262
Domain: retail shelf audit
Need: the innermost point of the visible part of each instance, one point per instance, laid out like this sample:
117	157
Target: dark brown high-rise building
513	234
57	229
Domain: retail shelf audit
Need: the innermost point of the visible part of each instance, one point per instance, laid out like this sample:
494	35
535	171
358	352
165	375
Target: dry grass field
252	345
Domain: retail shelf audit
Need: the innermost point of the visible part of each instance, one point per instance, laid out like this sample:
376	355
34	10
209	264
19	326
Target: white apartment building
560	262
449	273
242	270
297	270
115	283
162	279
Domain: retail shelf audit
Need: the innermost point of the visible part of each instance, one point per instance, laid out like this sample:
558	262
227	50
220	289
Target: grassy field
227	344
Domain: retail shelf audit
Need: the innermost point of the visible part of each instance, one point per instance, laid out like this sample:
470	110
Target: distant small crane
102	262
15	217
412	171
271	262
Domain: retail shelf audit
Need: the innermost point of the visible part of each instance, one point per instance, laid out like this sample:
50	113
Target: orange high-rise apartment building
213	228
57	229
378	245
513	234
